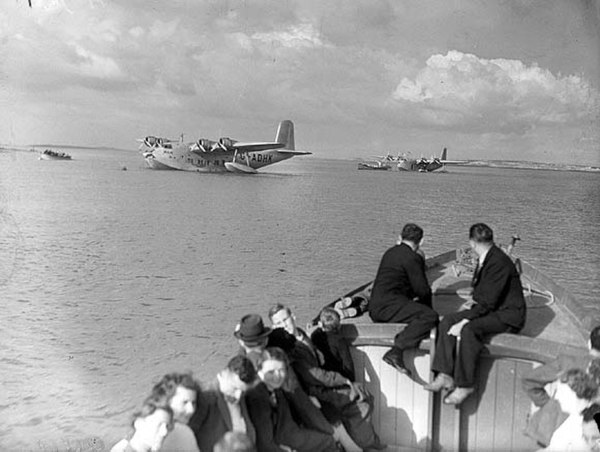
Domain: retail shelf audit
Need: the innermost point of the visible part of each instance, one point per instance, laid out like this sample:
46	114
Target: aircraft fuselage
183	159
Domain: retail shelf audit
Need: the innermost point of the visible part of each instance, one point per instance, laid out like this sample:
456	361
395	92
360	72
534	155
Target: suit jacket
306	365
303	409
275	424
400	279
497	288
212	419
335	351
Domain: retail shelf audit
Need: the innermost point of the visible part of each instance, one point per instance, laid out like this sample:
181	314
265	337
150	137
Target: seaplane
404	162
222	155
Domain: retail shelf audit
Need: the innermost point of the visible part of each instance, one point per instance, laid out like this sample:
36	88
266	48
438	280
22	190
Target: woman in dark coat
273	419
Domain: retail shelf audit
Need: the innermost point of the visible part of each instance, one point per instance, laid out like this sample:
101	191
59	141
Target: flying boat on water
222	155
404	162
49	154
493	418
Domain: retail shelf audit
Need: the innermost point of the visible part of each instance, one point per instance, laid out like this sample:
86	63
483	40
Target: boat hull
53	157
152	163
373	167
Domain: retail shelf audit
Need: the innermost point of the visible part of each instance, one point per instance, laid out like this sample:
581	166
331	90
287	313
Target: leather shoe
394	358
442	381
458	396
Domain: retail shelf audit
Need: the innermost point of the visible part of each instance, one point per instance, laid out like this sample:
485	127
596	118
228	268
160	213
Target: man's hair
582	384
412	233
595	338
243	368
589	413
481	233
274	353
165	389
276	308
282	339
234	442
330	319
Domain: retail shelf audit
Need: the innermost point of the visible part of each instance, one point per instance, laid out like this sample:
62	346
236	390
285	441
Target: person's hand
357	392
310	328
457	328
353	395
286	448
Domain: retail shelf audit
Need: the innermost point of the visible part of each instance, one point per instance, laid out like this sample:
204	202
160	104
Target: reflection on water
110	279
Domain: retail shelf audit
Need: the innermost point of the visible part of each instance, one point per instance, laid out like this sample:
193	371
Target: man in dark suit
401	294
341	400
499	308
222	406
277	424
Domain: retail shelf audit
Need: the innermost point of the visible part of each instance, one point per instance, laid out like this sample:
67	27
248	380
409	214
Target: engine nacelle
226	143
205	145
150	141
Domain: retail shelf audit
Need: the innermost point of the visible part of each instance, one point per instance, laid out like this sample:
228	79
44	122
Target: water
111	278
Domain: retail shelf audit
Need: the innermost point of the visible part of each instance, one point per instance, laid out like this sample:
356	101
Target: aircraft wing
454	162
254	147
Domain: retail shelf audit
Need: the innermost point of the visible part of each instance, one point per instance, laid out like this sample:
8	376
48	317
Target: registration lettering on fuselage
260	157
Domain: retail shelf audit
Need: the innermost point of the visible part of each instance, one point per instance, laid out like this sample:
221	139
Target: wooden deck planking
401	410
522	408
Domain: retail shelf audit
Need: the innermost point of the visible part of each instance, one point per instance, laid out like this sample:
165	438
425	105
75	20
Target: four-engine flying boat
403	162
222	155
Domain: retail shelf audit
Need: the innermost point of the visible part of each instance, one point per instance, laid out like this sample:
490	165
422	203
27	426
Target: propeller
153	142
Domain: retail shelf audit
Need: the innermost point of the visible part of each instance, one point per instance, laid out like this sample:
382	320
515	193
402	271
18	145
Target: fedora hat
251	328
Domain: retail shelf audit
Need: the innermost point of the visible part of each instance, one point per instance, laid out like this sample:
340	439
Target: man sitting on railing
401	294
499	308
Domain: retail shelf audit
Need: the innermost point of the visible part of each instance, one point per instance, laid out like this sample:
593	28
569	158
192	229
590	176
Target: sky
490	80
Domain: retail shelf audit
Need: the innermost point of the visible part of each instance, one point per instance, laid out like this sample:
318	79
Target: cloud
162	31
463	90
93	65
303	35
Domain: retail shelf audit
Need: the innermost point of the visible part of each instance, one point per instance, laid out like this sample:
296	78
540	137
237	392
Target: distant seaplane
403	162
223	155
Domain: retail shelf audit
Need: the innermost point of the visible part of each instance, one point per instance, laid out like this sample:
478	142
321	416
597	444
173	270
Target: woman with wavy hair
151	424
575	390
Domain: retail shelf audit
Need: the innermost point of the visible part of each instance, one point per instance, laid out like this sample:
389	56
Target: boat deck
408	418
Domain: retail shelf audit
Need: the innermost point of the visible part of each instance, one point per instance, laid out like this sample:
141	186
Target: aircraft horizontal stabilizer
291	152
255	147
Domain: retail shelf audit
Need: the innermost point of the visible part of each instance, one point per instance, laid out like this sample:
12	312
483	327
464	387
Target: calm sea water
111	278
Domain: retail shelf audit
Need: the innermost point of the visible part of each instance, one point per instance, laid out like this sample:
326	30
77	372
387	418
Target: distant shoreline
502	164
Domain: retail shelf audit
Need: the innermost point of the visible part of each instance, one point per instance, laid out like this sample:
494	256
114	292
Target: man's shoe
442	381
458	396
394	358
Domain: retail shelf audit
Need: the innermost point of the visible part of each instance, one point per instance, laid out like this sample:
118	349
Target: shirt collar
483	256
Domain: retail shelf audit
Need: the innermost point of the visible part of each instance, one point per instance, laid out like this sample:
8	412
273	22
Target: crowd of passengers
287	389
294	390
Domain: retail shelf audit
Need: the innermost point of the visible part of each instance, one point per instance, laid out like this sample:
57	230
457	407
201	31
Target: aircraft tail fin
444	154
285	134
